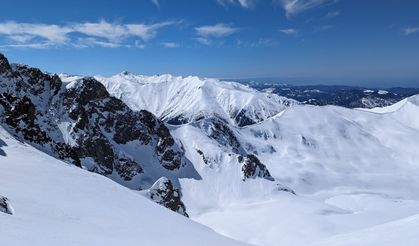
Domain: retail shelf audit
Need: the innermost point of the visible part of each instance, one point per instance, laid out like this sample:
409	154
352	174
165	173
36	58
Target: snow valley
104	160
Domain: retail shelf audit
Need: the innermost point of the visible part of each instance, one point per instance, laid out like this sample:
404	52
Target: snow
355	172
382	92
60	204
170	97
400	232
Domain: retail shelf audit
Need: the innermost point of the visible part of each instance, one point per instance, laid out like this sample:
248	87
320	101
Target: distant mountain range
345	96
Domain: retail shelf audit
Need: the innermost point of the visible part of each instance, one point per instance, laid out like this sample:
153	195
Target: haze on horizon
367	43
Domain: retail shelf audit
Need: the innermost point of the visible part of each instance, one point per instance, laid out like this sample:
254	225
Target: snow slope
179	99
352	170
355	172
400	232
404	111
58	204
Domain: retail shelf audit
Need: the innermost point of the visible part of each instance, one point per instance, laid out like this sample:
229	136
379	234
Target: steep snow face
180	100
405	111
312	148
59	204
350	169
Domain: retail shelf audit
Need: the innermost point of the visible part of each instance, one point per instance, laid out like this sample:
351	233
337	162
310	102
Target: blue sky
322	41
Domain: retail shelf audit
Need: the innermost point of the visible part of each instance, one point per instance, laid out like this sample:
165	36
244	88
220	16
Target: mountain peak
4	64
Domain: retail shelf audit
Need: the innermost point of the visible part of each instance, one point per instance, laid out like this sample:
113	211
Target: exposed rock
281	187
253	168
5	68
163	192
80	123
128	168
5	206
2	143
217	129
243	120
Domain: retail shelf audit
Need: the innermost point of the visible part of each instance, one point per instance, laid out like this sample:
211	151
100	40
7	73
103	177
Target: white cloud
218	30
242	3
44	45
290	31
207	33
293	7
103	33
92	42
204	41
170	44
260	43
117	32
410	30
332	14
26	31
156	2
323	28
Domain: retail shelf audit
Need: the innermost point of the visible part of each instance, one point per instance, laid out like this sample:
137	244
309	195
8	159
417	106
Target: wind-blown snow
58	204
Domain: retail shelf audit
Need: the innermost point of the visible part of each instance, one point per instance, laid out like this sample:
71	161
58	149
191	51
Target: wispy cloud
204	41
117	32
294	7
260	43
323	28
23	32
410	30
89	34
290	31
170	45
206	34
242	3
332	14
218	30
156	2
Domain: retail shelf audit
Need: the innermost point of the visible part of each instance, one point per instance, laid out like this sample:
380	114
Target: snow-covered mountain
347	167
252	165
79	122
58	204
179	100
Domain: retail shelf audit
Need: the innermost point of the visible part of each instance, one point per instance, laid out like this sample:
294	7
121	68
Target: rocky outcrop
253	168
218	129
163	192
2	144
80	123
5	206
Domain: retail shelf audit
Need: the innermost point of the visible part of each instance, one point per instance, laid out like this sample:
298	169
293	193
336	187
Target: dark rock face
253	168
128	169
5	206
283	188
80	123
217	129
163	192
5	68
243	120
2	143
